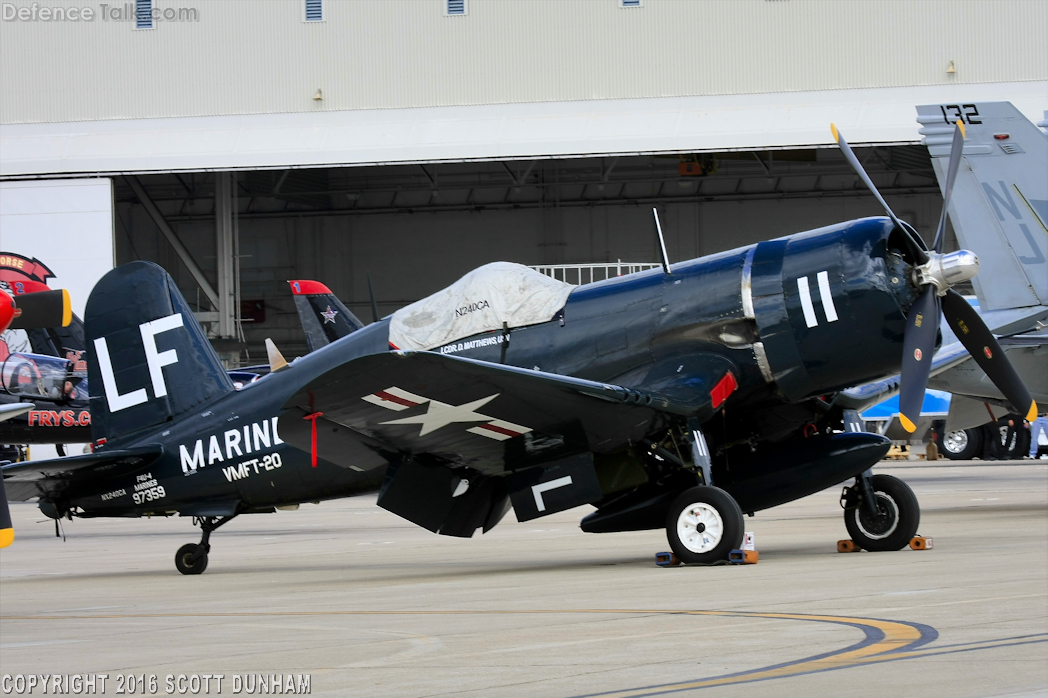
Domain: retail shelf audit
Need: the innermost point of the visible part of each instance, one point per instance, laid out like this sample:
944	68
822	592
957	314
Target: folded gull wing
463	413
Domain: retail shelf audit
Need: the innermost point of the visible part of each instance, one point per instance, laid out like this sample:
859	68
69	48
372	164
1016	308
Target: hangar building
241	144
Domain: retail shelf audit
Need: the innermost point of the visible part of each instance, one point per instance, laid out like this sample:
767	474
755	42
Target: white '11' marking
825	295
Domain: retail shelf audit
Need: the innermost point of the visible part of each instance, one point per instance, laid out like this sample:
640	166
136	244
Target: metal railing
580	274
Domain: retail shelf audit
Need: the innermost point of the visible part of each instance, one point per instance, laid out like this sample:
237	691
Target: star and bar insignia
440	414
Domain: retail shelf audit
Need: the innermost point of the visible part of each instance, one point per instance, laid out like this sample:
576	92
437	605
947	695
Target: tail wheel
187	561
704	524
896	521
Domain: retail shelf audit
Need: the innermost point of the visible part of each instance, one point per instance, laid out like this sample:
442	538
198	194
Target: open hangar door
417	228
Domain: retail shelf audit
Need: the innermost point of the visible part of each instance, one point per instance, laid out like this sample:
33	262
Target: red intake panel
725	387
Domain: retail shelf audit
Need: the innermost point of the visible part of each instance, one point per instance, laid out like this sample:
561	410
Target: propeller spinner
937	273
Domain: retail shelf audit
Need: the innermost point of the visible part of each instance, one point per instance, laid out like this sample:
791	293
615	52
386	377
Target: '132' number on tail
962	113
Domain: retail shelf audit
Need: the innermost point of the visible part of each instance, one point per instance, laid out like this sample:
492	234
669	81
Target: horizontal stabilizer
48	478
15	409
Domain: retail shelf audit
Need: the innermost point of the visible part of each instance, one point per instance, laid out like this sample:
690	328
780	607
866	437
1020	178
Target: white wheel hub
956	441
700	527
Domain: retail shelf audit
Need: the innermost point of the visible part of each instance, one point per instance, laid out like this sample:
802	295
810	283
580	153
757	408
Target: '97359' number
150	495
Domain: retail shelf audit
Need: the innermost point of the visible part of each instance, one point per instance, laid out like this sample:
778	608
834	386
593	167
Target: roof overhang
526	131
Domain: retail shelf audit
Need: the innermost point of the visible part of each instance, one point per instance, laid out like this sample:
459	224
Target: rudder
148	359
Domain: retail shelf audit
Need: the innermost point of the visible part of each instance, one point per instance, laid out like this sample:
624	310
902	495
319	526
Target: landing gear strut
880	512
191	558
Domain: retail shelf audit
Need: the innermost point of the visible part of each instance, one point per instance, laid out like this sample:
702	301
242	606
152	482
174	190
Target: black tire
713	512
962	445
185	562
1013	442
900	514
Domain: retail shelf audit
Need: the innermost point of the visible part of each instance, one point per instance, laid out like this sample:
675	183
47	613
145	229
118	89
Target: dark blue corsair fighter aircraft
676	398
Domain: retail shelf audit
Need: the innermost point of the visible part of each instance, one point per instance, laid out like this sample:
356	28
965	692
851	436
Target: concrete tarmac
368	604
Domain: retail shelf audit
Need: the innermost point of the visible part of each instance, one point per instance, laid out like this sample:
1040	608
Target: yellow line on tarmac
966	647
896	636
882	636
885	641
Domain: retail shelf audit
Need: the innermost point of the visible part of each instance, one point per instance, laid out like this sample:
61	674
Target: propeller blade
42	309
922	327
982	345
956	149
849	155
7	531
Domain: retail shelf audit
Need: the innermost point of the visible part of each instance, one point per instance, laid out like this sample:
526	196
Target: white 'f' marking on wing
537	490
827	296
806	305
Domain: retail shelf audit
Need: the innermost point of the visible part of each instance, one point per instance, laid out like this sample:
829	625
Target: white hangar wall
517	84
248	57
66	224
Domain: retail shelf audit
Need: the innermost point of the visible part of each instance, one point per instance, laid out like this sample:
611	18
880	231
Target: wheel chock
666	560
921	543
743	557
848	546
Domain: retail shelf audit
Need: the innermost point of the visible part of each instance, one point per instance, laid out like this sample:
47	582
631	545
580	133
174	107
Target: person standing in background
1040	424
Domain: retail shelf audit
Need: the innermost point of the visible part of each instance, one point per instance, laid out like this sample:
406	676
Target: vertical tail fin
999	207
324	318
148	359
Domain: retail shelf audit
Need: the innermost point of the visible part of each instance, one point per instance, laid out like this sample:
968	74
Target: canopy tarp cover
481	301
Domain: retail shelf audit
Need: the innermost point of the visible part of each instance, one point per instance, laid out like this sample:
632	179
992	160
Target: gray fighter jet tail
999	207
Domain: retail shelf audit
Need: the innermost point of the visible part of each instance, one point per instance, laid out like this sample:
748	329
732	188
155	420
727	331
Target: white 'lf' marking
537	490
154	360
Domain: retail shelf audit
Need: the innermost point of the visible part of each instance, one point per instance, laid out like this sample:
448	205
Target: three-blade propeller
936	273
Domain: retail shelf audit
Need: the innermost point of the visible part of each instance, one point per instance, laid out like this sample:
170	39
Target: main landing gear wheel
896	520
963	444
704	524
189	561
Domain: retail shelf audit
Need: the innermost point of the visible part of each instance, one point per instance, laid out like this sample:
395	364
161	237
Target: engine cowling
830	306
